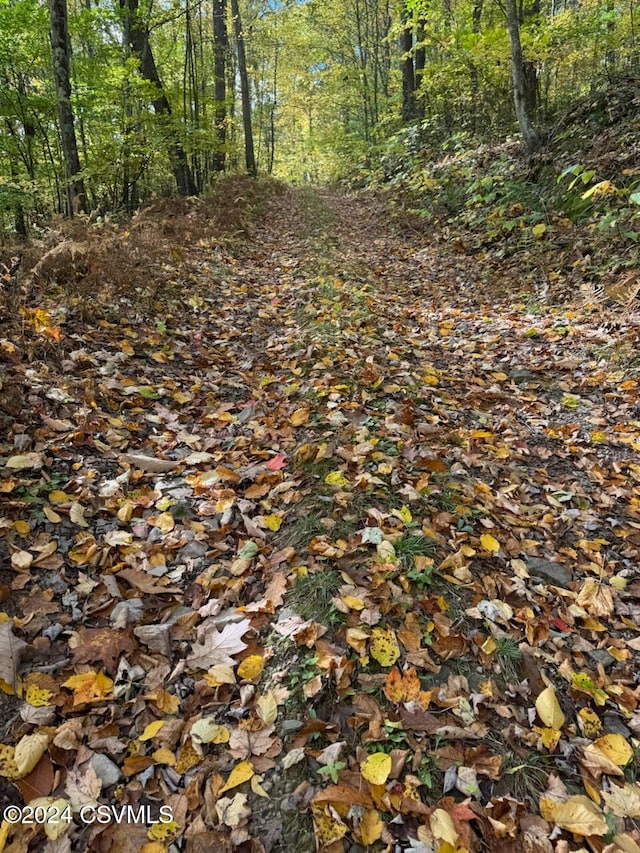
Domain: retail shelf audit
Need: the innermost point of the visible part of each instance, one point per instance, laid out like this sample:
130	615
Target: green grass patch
413	545
312	597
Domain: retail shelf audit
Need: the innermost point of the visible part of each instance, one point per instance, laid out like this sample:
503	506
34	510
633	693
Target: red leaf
277	462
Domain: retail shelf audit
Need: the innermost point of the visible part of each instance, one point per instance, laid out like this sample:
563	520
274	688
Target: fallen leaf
376	768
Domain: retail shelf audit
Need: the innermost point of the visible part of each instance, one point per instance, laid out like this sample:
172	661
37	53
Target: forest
105	105
319	426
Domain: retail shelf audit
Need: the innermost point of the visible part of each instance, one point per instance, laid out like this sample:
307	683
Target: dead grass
90	267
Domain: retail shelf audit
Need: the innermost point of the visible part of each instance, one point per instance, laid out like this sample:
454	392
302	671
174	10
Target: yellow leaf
58	497
404	514
442	827
624	843
336	478
241	773
616	748
580	815
251	668
206	730
159	356
299	417
8	767
624	802
384	646
549	709
257	788
489	543
327	825
165	522
89	686
21	527
55	809
267	708
164	756
163	831
352	602
52	516
549	737
37	697
219	674
29	751
151	730
371	827
376	768
538	230
182	398
273	521
589	722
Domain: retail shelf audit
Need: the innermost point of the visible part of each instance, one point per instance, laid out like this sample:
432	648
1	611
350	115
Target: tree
409	110
61	50
249	155
141	48
220	54
518	78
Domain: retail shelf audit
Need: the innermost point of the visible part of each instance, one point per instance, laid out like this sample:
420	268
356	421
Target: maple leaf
104	645
244	744
218	647
89	687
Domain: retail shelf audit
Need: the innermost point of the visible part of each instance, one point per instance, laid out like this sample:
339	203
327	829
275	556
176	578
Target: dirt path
422	492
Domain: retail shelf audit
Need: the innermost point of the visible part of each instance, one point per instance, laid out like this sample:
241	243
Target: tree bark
141	49
518	77
61	50
408	73
249	155
220	53
420	61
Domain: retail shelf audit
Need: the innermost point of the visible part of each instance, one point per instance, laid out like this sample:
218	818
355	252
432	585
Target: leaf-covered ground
338	552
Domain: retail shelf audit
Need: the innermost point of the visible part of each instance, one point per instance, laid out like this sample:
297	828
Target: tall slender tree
220	57
138	32
249	155
519	80
76	196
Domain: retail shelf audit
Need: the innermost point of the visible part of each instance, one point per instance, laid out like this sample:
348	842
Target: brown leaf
103	645
219	646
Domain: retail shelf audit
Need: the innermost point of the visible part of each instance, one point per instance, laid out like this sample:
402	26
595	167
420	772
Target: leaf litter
340	554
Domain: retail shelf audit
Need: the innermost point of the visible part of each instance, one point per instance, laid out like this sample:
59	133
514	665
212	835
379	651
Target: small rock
106	770
521	375
53	631
127	612
553	573
156	535
288	727
194	550
602	656
55	582
614	725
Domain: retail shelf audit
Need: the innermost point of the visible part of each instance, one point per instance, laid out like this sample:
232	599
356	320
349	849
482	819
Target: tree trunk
408	74
220	53
61	49
420	61
141	49
249	155
518	77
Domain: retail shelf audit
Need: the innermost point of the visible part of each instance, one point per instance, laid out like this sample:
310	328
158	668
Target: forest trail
352	513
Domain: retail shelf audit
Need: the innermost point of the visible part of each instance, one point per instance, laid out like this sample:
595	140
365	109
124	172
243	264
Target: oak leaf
218	647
